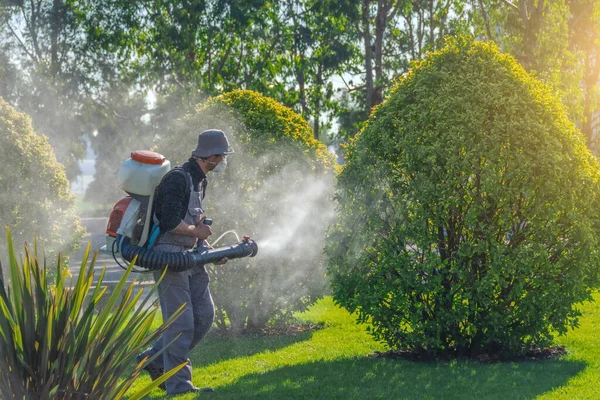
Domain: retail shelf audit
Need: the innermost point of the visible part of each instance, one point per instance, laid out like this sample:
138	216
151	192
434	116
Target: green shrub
468	213
53	343
35	195
278	174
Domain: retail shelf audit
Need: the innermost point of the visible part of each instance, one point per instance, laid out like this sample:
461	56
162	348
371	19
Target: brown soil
293	329
532	354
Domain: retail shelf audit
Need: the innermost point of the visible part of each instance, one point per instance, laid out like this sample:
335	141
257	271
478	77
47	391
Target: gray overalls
177	288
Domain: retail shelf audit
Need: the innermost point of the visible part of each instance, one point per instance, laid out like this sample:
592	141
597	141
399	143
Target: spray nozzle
208	221
246	248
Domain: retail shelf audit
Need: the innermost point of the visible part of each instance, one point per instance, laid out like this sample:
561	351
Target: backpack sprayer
131	221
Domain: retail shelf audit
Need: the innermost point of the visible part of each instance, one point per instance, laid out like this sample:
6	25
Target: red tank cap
148	157
246	237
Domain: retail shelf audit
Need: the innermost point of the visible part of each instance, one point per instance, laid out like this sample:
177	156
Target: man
180	216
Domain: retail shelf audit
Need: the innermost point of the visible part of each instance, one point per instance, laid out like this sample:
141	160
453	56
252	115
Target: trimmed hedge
468	210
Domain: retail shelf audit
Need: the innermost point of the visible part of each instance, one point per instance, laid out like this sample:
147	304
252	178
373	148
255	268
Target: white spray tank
138	176
142	172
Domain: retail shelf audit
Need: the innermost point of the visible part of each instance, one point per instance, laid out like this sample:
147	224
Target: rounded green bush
278	174
35	196
468	214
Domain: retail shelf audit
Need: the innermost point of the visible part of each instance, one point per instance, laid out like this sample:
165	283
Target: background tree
319	45
392	33
476	199
537	34
584	30
210	46
287	50
277	189
114	112
68	54
118	125
39	38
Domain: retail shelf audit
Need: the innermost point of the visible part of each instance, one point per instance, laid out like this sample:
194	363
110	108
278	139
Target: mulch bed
293	329
532	354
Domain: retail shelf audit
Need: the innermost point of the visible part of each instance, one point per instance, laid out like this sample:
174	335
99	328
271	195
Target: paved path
96	236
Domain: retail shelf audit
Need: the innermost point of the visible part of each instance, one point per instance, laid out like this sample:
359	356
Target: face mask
220	166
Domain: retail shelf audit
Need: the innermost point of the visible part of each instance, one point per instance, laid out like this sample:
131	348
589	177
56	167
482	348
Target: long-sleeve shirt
172	197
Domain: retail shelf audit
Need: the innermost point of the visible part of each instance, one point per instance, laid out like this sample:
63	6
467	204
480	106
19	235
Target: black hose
182	261
124	267
153	260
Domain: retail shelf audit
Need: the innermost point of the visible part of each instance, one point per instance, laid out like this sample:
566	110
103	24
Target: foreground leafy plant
55	345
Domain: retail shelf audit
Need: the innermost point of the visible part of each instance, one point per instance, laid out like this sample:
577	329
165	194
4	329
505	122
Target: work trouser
191	288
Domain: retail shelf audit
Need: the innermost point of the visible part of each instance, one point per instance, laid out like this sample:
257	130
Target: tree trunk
56	18
486	20
317	113
592	72
366	33
532	15
380	24
302	86
431	23
583	30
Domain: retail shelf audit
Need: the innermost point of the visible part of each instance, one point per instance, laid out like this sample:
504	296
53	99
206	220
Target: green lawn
332	363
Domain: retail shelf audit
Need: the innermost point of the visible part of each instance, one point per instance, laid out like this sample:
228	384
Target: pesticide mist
304	211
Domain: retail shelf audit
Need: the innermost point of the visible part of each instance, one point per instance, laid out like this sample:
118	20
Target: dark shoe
197	390
155	372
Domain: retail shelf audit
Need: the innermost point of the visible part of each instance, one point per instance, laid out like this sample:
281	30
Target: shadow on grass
220	348
369	378
215	349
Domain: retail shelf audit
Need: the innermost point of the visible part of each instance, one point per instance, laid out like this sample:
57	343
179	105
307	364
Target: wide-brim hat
211	142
